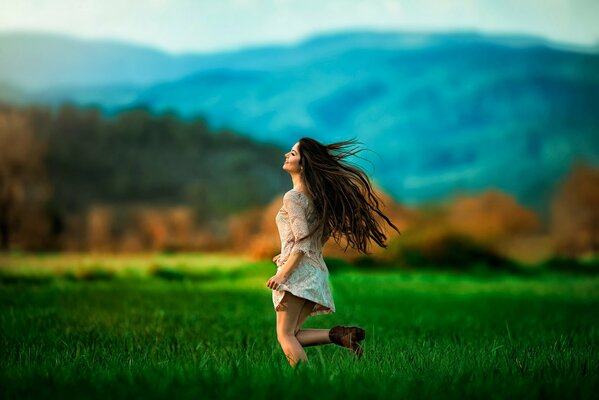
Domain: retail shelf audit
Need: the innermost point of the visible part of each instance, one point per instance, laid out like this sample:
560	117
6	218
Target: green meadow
203	326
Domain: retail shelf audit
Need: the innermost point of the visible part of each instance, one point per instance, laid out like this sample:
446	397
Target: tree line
76	179
57	165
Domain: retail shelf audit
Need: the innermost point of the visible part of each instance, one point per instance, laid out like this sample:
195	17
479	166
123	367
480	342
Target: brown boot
349	337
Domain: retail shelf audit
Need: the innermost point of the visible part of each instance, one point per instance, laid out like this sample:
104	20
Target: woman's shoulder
296	195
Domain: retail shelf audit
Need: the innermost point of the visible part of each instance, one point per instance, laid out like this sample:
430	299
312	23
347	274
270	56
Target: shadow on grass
12	279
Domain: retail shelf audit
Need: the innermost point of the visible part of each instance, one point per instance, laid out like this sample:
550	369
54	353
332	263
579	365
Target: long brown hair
342	193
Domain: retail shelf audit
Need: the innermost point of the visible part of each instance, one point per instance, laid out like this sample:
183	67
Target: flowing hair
342	193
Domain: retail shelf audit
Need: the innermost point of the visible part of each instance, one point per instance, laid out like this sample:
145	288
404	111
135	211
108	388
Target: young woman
330	198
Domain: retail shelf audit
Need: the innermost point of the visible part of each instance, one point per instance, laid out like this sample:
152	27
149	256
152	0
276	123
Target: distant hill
442	112
38	60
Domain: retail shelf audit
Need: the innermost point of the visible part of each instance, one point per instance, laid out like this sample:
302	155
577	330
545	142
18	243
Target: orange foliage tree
254	232
24	188
137	228
490	217
575	213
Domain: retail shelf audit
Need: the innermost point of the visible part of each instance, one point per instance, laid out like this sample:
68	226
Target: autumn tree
575	212
23	187
491	216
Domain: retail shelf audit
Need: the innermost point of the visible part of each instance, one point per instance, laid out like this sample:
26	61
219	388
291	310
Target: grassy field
177	326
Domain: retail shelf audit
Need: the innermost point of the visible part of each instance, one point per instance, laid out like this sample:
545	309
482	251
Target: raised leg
286	324
313	337
310	337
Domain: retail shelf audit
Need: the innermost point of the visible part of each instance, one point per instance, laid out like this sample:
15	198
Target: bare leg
286	324
313	337
310	337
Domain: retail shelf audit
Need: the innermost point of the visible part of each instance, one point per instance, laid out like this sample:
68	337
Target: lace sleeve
298	222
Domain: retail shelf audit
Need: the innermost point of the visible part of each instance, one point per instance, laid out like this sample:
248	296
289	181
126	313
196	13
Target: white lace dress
310	278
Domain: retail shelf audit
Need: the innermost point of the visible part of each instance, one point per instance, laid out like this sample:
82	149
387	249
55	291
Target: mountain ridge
444	113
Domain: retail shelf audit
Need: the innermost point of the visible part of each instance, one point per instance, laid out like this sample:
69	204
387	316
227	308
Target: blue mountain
443	113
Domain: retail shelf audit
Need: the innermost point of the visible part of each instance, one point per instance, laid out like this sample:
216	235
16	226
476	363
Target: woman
330	198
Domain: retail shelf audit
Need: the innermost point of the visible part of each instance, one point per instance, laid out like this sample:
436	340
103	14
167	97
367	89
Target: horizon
305	39
183	26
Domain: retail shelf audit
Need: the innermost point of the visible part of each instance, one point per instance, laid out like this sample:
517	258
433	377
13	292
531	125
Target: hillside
443	113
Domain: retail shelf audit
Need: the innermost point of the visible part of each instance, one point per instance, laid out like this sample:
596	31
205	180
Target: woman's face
292	159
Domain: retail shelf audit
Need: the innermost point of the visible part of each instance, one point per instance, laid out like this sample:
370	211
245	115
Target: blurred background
161	126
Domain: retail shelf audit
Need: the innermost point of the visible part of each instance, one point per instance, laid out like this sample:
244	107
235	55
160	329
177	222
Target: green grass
428	335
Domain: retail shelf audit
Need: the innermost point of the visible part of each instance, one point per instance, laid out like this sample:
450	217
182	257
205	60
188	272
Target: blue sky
202	25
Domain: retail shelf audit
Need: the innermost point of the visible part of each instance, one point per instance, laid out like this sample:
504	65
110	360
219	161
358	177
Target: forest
62	165
74	179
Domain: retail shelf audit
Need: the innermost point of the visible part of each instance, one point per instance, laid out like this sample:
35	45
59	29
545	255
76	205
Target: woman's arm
292	261
299	227
285	272
298	223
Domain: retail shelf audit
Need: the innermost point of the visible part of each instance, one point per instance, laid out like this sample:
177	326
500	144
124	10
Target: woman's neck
298	184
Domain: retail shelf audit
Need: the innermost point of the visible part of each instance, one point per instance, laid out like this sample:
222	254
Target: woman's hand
275	281
276	258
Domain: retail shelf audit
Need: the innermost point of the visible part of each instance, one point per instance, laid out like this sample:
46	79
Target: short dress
310	277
